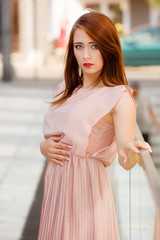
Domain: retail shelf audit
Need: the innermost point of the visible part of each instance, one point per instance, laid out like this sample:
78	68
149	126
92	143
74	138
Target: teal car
142	47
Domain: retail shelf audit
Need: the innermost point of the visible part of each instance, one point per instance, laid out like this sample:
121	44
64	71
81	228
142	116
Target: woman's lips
87	64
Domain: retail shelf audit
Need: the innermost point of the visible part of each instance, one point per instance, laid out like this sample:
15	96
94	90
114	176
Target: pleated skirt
77	202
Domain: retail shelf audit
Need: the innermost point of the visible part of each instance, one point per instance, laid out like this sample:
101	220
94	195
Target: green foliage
155	3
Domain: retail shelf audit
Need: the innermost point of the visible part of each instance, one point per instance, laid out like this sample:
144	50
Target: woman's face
87	54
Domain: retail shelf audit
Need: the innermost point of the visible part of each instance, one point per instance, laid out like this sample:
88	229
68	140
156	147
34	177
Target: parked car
141	47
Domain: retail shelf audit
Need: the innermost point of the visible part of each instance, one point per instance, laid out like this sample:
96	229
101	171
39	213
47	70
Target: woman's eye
78	46
94	46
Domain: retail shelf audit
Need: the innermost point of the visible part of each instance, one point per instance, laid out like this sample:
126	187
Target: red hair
103	31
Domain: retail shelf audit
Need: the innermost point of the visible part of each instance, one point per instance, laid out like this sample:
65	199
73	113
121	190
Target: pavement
22	108
21	164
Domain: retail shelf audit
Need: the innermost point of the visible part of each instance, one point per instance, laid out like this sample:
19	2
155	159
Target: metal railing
137	197
153	180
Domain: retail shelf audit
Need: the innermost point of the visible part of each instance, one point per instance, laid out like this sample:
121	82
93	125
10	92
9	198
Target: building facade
38	26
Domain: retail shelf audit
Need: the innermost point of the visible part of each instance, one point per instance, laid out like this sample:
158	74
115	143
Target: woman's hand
54	150
129	153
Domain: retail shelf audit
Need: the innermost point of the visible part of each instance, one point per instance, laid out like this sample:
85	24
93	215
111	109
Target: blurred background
33	38
34	33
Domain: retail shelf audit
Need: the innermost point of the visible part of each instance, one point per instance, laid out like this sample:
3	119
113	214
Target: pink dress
78	203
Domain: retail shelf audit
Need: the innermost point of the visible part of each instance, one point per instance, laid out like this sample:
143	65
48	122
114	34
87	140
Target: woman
91	118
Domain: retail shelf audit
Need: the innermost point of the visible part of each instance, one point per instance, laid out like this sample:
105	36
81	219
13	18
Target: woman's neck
89	82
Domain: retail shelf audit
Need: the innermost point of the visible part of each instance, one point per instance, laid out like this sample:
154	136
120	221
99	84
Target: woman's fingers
124	156
62	145
143	145
62	152
129	153
131	146
57	138
56	161
59	151
58	158
136	145
59	154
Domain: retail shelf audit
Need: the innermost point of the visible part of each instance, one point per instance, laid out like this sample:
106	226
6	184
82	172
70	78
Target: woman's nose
86	53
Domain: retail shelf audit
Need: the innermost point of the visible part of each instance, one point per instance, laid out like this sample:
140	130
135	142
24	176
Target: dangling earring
80	73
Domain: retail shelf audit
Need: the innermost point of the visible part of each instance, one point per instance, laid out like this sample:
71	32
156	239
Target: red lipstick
87	65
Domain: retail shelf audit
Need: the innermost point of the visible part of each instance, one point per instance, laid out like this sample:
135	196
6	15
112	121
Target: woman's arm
124	118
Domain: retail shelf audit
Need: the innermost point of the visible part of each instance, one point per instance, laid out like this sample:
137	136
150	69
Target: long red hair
102	30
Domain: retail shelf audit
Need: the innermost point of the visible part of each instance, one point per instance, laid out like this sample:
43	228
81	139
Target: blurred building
128	12
40	26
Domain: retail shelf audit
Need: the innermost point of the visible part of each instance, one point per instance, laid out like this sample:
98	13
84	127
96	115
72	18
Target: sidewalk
21	164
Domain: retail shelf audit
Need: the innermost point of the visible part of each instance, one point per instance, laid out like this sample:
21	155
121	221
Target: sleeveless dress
78	203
